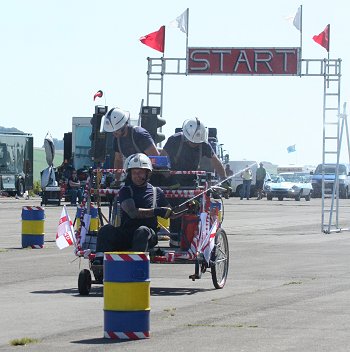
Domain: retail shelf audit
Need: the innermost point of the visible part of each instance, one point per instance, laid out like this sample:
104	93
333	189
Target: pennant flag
99	94
291	148
65	231
297	19
155	40
180	22
323	38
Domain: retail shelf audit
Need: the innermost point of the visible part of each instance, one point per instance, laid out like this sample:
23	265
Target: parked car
288	185
329	178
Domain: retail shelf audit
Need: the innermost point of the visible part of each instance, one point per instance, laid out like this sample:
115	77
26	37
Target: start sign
243	61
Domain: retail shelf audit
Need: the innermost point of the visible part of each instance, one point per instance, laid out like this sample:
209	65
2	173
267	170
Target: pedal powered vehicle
202	239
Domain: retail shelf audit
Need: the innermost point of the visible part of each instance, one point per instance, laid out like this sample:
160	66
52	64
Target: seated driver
140	204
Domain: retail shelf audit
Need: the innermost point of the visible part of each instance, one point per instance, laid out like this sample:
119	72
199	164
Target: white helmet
137	161
194	131
114	120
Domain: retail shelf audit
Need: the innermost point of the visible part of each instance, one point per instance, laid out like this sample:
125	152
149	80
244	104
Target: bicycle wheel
219	259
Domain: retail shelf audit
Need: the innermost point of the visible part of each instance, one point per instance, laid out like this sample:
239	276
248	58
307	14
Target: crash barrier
33	219
126	295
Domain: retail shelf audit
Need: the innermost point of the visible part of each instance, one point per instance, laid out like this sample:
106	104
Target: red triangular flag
323	38
99	94
155	40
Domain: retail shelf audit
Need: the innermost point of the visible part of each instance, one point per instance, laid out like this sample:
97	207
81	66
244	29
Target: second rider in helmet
185	149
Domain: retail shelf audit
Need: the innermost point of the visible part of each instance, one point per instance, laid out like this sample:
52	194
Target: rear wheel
20	188
280	198
308	197
269	197
219	259
84	282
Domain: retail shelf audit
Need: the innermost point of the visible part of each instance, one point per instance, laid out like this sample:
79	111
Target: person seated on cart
74	188
140	204
185	150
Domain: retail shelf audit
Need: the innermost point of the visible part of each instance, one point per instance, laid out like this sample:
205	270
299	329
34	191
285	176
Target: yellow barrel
94	221
126	295
33	227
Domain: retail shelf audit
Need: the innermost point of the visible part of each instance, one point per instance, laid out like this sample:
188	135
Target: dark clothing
133	234
143	198
260	174
112	238
136	141
189	158
259	185
74	192
185	158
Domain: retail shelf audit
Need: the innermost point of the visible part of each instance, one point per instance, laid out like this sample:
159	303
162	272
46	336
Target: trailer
16	163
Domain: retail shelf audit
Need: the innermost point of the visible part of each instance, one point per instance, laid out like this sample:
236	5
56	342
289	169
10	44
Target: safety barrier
126	295
33	221
94	221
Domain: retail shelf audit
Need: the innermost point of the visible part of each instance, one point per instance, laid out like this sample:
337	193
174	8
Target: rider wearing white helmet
185	149
140	204
128	139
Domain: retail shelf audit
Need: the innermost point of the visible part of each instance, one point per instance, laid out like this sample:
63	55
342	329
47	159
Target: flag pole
301	37
187	20
329	36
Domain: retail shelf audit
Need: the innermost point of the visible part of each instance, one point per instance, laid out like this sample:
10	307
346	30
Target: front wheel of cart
84	282
219	259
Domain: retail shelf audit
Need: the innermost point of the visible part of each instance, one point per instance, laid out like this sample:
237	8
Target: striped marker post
33	219
126	295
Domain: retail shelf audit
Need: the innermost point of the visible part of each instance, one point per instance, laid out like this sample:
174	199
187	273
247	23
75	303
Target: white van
238	166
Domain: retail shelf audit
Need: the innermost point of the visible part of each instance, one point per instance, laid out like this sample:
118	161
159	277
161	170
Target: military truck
16	162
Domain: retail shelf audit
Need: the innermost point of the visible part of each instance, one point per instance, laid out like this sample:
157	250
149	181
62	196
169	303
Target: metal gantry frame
334	121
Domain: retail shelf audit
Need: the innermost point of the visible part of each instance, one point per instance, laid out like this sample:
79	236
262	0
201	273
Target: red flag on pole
99	94
323	38
155	40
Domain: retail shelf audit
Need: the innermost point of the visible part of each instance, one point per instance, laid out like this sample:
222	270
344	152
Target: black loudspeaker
212	132
67	145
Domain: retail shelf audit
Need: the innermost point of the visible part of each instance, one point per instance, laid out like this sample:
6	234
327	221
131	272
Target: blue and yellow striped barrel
33	221
126	294
94	221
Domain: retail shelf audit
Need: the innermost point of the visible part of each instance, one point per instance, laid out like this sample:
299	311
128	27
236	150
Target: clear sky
56	54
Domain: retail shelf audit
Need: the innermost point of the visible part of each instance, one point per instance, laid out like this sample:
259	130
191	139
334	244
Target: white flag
180	22
65	231
210	241
297	19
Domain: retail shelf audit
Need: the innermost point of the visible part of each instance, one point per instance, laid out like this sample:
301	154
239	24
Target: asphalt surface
288	288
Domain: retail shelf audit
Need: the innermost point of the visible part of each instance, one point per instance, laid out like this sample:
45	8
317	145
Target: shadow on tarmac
96	291
101	341
172	291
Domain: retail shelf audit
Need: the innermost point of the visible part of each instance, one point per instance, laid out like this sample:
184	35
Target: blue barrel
33	222
126	295
94	221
